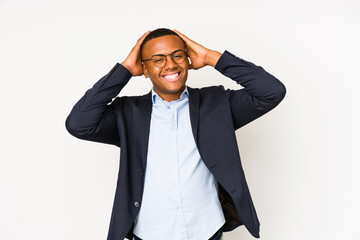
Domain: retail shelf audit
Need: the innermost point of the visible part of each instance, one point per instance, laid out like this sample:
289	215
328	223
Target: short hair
158	33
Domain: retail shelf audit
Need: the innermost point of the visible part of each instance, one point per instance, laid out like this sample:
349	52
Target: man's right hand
133	60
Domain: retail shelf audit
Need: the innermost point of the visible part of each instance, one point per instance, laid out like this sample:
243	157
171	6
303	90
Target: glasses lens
178	56
159	61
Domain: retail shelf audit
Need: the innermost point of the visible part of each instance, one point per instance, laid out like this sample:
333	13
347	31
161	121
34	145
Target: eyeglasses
160	60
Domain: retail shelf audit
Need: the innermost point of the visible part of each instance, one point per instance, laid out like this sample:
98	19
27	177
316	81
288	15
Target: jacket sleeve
93	118
261	93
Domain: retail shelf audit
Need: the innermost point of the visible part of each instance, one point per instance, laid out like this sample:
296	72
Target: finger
187	40
182	35
141	39
136	48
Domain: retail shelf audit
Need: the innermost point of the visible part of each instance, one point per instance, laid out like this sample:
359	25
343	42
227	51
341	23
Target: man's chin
173	90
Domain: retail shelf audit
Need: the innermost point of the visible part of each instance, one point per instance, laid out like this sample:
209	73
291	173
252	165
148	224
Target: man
180	173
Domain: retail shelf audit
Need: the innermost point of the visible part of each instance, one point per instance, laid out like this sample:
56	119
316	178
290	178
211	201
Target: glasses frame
163	55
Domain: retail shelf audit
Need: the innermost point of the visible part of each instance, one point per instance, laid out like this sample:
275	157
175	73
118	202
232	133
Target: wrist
212	57
127	67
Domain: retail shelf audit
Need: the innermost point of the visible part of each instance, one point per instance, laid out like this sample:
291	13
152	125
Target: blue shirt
180	198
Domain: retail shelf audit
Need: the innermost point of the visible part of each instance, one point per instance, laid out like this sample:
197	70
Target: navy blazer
215	115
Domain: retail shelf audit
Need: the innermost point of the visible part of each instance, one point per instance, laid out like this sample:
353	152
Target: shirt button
137	204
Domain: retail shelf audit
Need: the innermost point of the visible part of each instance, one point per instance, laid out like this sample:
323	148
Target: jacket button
142	173
137	204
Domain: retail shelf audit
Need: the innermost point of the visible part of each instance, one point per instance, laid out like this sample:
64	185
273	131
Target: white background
301	159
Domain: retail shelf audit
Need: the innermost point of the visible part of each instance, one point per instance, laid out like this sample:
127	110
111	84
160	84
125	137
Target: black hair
158	33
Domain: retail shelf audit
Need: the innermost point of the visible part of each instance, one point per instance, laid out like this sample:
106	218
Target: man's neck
172	96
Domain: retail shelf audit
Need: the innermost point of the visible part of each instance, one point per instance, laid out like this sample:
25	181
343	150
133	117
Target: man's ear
146	74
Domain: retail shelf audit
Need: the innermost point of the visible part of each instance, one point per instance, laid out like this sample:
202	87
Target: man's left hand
199	55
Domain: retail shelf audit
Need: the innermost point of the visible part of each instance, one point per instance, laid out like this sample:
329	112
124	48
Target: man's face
165	84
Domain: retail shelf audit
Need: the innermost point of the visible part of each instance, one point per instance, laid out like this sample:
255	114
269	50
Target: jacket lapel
194	100
143	128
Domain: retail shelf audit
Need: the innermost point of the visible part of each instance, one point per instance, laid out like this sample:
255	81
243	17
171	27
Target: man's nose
170	63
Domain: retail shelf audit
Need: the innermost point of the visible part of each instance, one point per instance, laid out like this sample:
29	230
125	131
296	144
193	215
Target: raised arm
93	118
261	93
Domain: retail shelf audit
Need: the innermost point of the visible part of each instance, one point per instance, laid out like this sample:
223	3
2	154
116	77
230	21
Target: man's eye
158	60
178	56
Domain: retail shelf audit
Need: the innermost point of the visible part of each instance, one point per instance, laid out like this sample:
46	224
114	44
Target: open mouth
171	77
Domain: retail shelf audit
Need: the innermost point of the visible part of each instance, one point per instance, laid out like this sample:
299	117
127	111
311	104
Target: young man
180	173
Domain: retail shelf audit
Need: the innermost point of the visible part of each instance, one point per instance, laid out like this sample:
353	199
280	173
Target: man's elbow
71	127
281	92
277	95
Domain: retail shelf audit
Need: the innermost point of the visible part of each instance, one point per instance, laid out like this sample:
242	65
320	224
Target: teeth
171	77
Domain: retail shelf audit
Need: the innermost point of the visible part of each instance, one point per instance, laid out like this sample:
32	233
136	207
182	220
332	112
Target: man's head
160	32
170	77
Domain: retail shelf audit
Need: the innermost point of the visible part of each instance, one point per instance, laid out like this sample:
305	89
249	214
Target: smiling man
180	173
168	77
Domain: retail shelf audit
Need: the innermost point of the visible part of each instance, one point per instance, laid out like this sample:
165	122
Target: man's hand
199	55
133	60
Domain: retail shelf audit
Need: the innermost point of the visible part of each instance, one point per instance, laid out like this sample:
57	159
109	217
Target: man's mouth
171	77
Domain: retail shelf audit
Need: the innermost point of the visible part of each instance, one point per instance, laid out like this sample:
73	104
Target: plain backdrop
301	160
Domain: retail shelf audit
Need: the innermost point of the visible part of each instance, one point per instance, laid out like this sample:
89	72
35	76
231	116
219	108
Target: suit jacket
215	115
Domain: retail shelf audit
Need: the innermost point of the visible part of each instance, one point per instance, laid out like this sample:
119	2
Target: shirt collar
155	97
